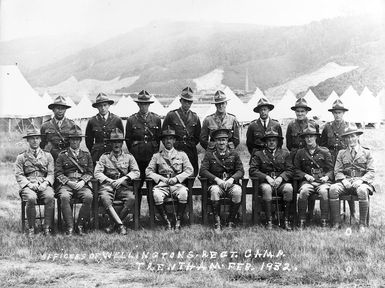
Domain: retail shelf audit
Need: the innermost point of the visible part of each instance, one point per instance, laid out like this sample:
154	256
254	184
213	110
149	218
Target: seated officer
314	166
354	173
73	171
114	170
274	169
223	168
34	170
169	168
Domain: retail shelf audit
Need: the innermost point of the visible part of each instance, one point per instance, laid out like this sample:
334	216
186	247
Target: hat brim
357	132
95	105
187	99
143	101
270	106
271	136
340	109
222	101
305	107
51	106
32	135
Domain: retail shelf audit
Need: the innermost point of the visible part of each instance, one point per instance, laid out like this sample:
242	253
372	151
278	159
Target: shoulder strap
169	164
269	160
35	162
117	168
220	162
182	122
74	162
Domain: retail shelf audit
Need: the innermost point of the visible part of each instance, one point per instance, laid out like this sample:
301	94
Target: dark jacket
294	129
256	131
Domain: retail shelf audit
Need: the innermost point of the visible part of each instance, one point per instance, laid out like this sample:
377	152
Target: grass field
244	257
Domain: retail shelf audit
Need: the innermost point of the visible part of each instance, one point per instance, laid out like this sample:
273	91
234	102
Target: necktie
264	124
354	153
35	153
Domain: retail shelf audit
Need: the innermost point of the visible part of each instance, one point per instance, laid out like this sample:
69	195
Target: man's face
221	107
352	140
221	142
75	143
264	112
185	104
103	108
59	112
310	140
272	143
117	146
168	142
338	115
34	142
300	113
143	107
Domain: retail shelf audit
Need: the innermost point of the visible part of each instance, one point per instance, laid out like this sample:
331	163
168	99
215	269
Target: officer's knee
236	194
267	191
305	191
287	192
31	199
106	200
324	193
334	191
362	192
182	195
158	197
215	192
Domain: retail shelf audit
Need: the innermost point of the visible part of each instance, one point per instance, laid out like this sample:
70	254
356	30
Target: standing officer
73	172
223	168
54	132
314	166
169	168
114	171
187	126
294	141
99	127
274	169
143	132
258	127
34	171
220	119
354	173
332	139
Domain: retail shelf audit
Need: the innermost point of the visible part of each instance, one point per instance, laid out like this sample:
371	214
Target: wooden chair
98	209
206	202
39	216
170	200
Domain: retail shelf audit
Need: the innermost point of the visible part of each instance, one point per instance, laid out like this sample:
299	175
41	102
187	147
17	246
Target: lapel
218	120
109	118
53	121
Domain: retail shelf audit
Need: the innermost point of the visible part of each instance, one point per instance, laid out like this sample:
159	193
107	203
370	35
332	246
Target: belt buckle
145	138
272	175
353	173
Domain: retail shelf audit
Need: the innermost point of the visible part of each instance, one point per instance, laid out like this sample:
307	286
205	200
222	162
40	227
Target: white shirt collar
267	121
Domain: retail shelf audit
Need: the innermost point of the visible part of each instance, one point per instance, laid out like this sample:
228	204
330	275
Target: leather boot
163	215
234	208
302	224
364	207
217	219
85	212
302	205
67	215
335	213
114	216
287	215
324	206
31	213
269	219
310	207
81	226
48	212
352	208
180	213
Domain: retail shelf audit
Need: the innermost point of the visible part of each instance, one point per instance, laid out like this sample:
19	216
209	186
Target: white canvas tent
83	110
175	104
258	94
125	107
327	104
157	108
315	104
370	106
282	109
352	101
381	100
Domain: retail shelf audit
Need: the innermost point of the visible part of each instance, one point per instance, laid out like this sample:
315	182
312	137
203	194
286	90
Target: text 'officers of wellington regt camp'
220	120
169	169
115	171
73	172
54	132
274	169
99	127
223	168
34	171
187	126
143	132
258	127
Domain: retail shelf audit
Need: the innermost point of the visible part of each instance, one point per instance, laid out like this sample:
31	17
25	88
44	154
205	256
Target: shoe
302	224
286	225
122	230
110	228
70	232
269	225
46	231
362	228
231	225
177	225
354	220
217	224
30	232
81	231
324	223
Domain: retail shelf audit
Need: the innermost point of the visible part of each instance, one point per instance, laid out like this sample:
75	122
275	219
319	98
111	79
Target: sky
102	19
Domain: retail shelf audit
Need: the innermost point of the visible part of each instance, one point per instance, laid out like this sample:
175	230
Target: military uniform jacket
64	167
30	169
49	136
175	165
263	163
331	135
143	135
293	132
256	131
98	131
305	163
362	164
214	122
108	164
189	130
211	168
